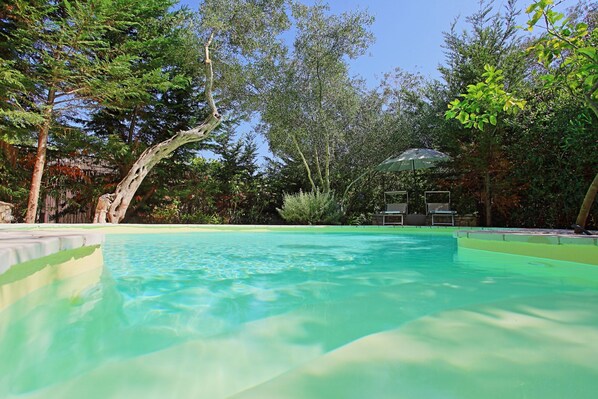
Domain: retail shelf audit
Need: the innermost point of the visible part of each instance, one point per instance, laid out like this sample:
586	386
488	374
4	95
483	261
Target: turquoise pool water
307	314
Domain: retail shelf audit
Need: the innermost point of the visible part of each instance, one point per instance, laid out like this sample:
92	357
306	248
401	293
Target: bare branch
68	93
210	78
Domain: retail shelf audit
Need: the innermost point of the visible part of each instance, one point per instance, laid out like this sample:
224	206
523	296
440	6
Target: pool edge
540	244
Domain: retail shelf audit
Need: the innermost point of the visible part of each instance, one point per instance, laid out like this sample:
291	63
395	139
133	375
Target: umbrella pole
414	183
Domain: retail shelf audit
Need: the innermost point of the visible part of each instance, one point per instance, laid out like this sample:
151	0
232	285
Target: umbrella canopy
412	159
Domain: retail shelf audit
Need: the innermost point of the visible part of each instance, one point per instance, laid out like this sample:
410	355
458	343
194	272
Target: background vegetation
132	77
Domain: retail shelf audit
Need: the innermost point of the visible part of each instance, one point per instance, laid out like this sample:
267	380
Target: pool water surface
307	314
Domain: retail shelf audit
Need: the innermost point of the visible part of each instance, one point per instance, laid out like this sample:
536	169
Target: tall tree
568	50
313	102
68	64
483	108
492	38
244	35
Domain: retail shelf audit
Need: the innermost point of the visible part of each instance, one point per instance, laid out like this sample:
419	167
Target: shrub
310	208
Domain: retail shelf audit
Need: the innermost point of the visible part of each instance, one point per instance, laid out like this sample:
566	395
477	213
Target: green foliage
246	44
313	104
553	176
225	190
485	102
173	213
12	113
14	175
492	38
567	50
83	51
314	207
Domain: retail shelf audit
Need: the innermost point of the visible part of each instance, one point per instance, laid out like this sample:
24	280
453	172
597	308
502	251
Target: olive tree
240	37
313	103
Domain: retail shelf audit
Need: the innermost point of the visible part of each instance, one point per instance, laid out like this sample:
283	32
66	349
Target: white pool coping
19	246
549	244
536	236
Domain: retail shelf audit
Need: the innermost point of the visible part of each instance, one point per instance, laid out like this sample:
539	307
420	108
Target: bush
310	208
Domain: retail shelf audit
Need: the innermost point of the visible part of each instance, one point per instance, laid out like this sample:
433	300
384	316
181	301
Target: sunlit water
307	315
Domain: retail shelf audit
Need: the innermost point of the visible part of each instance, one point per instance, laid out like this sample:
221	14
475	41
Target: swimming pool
307	314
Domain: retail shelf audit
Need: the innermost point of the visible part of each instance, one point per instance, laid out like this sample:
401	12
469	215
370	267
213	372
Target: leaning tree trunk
586	206
127	188
582	217
113	207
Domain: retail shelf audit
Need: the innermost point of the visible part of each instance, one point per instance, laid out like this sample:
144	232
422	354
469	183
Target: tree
483	108
545	139
491	40
62	60
244	35
313	103
568	52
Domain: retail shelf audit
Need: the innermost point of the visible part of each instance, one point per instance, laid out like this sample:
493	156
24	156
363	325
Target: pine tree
61	57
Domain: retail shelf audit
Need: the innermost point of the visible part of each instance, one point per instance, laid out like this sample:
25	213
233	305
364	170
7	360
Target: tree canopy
120	99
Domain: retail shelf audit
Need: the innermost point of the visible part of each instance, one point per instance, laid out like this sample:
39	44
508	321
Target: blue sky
408	34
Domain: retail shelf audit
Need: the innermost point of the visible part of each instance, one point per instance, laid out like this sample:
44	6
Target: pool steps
30	260
23	246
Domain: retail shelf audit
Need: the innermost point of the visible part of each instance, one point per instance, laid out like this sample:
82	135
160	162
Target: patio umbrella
412	159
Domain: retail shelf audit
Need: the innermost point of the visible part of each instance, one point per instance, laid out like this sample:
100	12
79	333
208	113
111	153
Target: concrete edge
548	244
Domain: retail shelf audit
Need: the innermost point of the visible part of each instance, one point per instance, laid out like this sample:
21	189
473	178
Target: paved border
550	244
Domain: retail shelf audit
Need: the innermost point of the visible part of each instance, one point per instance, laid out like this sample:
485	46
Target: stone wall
5	212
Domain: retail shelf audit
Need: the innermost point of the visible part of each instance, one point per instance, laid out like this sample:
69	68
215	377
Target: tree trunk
132	125
113	207
327	165
40	159
319	169
488	201
305	164
127	188
586	206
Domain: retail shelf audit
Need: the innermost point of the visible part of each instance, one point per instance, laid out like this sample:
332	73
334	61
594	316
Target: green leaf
589	52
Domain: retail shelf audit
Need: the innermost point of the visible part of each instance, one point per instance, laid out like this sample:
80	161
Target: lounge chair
395	208
440	208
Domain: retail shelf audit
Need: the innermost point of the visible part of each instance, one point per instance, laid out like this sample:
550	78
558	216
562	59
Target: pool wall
540	244
32	260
